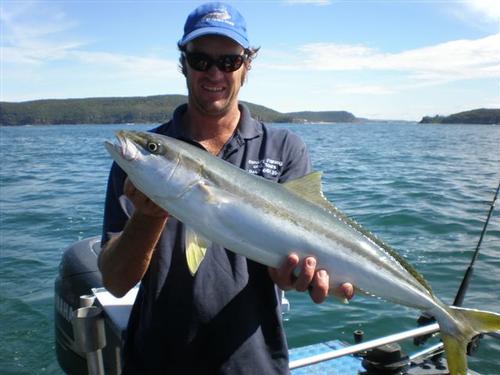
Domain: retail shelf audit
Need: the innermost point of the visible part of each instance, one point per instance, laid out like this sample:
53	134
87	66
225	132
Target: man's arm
125	258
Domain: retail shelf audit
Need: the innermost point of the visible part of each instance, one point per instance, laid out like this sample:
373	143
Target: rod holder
90	336
87	300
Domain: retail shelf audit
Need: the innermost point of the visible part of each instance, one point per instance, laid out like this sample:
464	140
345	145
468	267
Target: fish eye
153	147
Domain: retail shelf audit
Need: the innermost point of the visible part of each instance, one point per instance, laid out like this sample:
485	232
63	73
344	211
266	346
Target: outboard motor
78	274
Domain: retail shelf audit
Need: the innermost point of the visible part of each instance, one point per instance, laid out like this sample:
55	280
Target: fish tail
467	324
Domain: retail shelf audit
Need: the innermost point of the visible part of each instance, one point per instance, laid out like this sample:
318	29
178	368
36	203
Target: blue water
423	188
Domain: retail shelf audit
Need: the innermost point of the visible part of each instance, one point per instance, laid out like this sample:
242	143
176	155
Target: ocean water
424	189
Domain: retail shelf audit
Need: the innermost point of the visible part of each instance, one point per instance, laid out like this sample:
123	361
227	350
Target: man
225	318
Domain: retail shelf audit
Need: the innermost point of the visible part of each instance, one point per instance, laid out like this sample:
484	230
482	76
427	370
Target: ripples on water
422	188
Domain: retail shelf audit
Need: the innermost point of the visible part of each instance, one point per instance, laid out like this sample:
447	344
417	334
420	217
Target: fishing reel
423	320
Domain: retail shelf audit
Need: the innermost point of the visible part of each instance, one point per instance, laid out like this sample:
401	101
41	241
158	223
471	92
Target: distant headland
159	108
123	110
477	116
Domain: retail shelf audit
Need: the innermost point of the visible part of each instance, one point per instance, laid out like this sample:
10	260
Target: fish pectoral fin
196	247
210	194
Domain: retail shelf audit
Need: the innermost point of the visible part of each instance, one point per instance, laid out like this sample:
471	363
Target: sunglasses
225	63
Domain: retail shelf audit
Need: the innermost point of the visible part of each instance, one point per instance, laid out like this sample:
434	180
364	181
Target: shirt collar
248	127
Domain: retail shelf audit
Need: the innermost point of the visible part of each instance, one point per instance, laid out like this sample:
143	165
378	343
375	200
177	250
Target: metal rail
425	330
428	351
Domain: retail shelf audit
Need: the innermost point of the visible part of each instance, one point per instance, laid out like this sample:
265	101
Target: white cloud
483	15
128	67
38	50
488	9
27	38
445	62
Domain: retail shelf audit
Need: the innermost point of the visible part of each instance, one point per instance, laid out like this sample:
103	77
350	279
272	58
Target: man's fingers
128	187
348	290
285	272
306	274
317	281
141	202
283	276
344	292
319	286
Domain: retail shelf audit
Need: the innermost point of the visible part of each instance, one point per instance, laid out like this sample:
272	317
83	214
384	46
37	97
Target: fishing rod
459	298
424	319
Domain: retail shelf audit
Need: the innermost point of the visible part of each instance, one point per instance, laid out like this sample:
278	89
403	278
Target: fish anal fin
196	247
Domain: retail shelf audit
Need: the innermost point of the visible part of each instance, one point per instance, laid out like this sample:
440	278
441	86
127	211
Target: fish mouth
128	148
124	147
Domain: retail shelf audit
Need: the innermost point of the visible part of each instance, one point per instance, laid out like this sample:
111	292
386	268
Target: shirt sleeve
114	216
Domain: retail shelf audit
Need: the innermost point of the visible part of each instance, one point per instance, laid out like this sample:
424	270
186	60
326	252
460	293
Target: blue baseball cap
215	19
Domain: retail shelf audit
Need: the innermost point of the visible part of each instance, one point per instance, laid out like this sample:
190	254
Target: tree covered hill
476	116
122	110
322	116
90	110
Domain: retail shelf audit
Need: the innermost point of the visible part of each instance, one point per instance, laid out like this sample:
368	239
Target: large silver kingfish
265	221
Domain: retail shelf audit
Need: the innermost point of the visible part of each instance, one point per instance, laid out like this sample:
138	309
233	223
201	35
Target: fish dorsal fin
308	187
196	247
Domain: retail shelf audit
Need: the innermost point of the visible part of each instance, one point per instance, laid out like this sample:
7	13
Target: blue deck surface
346	365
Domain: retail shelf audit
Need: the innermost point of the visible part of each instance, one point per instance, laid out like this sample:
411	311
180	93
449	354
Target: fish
266	221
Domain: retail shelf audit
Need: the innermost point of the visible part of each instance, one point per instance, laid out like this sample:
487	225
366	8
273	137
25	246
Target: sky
391	59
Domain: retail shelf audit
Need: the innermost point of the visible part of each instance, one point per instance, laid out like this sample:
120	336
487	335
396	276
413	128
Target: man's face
214	92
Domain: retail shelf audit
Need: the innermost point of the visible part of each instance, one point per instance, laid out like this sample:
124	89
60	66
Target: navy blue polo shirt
226	319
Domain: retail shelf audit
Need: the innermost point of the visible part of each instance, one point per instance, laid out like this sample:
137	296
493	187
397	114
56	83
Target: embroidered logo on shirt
265	167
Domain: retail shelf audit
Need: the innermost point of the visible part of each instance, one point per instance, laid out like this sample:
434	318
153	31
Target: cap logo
218	16
215	19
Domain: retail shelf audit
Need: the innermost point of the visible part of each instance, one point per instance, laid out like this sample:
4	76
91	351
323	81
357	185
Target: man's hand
142	204
310	278
125	258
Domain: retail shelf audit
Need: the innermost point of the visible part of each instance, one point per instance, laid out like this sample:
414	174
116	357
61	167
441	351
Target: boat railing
361	347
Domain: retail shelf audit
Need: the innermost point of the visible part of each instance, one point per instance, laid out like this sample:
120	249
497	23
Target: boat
90	325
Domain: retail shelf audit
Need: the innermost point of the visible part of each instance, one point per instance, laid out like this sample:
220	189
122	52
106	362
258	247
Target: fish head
148	161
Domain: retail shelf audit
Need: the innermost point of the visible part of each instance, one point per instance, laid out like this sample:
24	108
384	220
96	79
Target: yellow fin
308	187
196	247
469	323
481	321
455	354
